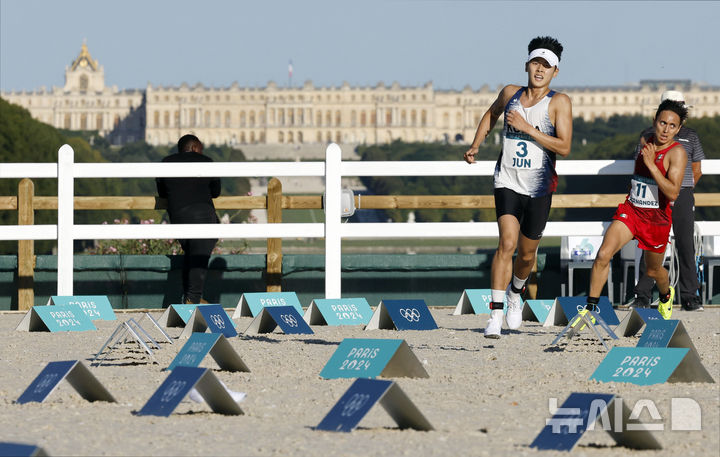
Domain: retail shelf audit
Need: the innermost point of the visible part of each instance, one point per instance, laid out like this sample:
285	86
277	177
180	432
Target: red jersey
651	205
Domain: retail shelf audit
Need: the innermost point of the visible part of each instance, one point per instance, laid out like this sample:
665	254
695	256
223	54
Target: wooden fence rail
27	202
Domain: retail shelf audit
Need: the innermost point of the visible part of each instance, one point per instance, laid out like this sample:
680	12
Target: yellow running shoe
665	308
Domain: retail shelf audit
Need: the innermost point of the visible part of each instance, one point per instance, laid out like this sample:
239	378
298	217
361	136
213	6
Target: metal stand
575	326
129	328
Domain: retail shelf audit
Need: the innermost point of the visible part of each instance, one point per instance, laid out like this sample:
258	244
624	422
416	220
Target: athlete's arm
676	160
489	120
560	143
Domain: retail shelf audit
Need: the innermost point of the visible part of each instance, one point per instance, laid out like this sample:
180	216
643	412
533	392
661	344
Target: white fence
332	169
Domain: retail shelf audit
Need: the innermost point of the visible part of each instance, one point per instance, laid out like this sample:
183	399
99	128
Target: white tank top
524	166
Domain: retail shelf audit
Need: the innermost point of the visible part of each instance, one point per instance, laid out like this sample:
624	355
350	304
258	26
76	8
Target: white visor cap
675	96
546	54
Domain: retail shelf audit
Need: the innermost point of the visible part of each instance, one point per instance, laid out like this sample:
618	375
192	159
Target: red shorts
651	236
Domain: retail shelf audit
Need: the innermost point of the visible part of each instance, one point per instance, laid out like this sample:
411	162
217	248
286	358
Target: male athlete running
537	127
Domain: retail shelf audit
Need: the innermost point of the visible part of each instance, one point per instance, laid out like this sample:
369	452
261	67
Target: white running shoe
494	325
513	317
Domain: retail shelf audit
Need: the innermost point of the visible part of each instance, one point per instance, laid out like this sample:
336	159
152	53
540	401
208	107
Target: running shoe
665	307
494	325
513	317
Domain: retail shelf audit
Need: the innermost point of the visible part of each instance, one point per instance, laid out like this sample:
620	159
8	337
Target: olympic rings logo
45	382
410	314
218	321
172	390
289	319
356	402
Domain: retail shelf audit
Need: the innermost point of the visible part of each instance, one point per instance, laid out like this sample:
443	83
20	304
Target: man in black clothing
190	202
683	222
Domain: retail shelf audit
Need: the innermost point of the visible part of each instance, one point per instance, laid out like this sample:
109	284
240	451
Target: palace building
272	114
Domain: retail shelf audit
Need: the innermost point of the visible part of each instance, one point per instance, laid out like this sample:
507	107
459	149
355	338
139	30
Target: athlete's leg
616	236
501	271
525	260
656	270
535	215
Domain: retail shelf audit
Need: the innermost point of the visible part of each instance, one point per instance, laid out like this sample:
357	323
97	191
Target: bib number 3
523	149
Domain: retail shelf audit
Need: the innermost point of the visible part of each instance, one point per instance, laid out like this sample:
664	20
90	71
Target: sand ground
483	397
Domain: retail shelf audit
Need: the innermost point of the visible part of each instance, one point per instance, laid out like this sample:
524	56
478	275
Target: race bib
522	154
644	194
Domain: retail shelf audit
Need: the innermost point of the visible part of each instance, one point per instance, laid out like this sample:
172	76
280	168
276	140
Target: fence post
273	260
66	157
26	248
333	240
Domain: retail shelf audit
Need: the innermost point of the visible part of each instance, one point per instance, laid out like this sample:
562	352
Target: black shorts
531	212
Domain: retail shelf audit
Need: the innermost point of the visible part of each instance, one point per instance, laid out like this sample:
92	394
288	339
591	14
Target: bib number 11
641	190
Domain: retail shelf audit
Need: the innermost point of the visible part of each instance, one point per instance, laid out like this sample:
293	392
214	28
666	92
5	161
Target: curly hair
674	106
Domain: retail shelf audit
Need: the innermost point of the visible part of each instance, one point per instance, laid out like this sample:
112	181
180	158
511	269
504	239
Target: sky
450	43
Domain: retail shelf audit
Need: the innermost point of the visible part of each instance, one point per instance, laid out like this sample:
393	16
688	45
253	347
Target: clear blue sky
451	43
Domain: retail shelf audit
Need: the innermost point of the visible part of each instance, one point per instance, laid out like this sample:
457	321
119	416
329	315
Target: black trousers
197	252
683	221
195	265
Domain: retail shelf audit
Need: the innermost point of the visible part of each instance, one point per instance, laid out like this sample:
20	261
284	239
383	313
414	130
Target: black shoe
637	302
692	306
